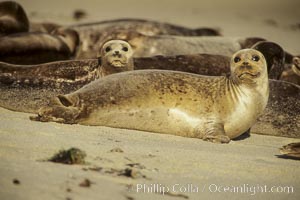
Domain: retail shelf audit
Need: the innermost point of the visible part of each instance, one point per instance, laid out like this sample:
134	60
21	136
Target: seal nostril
249	67
245	63
117	52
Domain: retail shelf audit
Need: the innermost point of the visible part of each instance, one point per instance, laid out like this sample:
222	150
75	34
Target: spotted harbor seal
13	18
152	100
115	56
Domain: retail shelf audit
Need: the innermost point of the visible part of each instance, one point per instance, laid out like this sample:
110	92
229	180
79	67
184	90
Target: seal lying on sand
13	18
195	106
18	48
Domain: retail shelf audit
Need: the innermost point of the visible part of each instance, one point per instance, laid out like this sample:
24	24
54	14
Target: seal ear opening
64	100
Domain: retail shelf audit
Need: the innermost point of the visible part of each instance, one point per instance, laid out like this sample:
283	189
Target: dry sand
164	160
156	159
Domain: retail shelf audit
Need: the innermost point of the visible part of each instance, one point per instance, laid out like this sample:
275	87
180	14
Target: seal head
248	66
115	56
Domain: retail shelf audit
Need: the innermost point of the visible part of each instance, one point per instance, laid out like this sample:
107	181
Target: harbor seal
151	100
115	56
34	48
13	18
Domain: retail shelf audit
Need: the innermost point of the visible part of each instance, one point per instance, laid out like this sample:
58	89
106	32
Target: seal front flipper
64	109
214	132
296	65
291	150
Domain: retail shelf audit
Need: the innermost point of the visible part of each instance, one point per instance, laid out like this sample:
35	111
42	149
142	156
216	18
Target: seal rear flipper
64	109
291	150
59	114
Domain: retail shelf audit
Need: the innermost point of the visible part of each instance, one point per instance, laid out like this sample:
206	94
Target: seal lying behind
35	48
195	106
146	27
13	18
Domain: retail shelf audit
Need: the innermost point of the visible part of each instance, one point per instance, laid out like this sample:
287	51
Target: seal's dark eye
237	59
107	49
255	58
125	49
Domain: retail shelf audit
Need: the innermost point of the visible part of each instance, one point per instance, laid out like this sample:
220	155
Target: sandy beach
134	165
